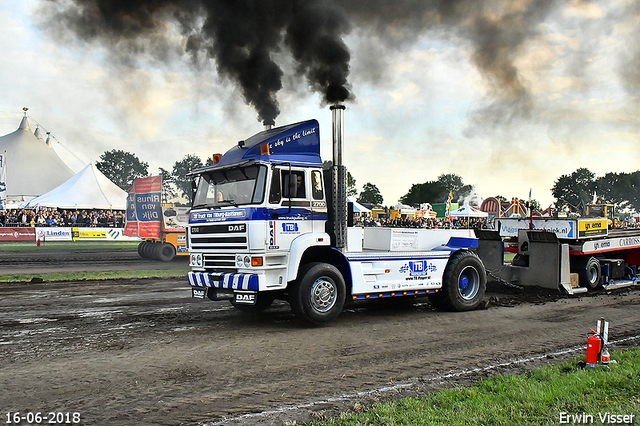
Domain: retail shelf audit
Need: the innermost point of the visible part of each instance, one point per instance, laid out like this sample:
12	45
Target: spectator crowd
67	218
427	223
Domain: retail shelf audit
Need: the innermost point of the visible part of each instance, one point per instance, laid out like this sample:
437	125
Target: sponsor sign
592	227
17	234
100	234
144	211
563	228
53	234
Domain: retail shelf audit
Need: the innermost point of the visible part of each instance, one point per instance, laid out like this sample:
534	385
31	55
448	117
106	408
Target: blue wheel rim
468	283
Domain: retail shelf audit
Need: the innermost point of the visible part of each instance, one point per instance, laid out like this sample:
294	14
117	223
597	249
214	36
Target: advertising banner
100	234
17	234
144	211
53	234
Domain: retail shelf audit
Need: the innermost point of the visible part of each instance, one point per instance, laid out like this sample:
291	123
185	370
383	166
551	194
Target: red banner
17	234
148	184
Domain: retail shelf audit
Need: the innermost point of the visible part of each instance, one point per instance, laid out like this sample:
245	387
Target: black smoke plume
241	36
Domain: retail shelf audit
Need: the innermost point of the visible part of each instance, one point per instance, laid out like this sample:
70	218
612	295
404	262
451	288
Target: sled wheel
263	301
319	294
154	250
141	247
589	275
463	283
147	250
166	252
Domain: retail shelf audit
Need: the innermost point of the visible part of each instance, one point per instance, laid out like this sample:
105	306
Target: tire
590	274
319	293
463	283
167	252
263	301
146	249
141	248
154	250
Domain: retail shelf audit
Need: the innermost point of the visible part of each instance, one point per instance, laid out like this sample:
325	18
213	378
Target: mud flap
245	297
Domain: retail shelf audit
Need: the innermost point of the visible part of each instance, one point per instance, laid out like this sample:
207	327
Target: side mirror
290	185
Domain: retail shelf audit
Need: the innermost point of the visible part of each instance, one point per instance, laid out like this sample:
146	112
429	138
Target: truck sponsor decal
272	236
290	228
252	213
217	216
418	268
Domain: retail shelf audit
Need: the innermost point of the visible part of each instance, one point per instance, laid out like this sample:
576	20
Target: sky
509	95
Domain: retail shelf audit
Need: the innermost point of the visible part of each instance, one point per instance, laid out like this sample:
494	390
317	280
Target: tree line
123	168
571	191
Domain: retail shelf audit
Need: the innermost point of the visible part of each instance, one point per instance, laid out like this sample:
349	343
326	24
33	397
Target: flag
448	215
3	182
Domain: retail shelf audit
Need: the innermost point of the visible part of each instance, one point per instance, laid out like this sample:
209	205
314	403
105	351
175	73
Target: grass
540	397
69	245
80	276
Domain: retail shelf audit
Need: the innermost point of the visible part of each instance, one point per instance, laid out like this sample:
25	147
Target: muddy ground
142	352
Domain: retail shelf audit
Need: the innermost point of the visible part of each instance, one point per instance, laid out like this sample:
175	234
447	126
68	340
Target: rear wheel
319	294
589	273
167	252
463	283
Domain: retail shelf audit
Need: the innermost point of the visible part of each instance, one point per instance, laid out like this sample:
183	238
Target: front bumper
222	280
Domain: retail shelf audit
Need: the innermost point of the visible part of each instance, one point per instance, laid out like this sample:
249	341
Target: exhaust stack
339	178
268	124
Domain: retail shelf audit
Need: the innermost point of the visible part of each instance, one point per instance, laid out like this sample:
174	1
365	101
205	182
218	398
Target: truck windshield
237	186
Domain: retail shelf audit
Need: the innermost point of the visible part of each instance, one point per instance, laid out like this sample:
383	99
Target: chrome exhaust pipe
339	177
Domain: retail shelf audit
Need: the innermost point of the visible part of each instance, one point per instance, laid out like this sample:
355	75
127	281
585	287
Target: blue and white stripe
229	281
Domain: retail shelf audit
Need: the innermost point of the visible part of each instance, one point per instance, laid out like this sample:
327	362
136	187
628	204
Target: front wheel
463	283
319	293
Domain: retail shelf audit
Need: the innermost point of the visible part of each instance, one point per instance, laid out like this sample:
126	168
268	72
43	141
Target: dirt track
142	352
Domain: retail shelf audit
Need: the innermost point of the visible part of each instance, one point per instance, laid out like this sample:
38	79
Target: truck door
289	197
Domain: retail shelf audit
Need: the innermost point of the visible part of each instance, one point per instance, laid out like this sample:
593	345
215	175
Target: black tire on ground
148	250
141	248
589	273
319	293
167	252
154	250
463	283
263	301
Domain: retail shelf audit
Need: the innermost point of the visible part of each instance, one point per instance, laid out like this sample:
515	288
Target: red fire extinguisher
594	345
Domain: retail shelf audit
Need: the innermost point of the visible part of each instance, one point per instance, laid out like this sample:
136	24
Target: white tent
357	207
88	189
468	211
32	167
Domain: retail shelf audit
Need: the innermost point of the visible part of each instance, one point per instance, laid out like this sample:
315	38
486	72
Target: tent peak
38	134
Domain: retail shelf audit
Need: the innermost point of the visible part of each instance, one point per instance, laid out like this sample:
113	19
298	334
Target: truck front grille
225	240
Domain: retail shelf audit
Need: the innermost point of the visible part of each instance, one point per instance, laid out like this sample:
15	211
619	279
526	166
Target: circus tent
32	167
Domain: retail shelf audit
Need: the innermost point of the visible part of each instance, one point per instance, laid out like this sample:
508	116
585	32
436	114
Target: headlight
195	259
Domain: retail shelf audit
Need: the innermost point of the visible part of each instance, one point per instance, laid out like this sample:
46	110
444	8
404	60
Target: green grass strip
559	394
69	245
79	276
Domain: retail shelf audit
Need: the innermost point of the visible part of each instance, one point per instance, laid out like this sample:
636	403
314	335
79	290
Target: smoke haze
242	38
